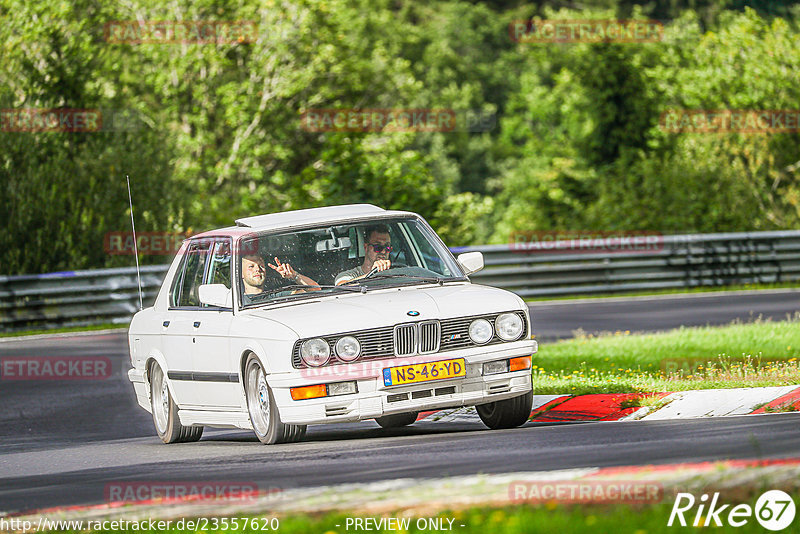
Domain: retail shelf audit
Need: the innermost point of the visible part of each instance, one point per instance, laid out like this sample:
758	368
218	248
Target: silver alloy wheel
160	400
258	403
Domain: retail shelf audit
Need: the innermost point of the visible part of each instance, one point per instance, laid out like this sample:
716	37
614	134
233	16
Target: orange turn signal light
518	364
309	392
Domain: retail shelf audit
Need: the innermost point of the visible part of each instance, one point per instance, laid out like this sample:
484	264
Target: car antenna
135	248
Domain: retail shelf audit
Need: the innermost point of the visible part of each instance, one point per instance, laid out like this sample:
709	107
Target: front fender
257	348
155	357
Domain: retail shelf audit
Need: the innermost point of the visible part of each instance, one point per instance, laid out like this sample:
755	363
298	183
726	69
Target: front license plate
423	372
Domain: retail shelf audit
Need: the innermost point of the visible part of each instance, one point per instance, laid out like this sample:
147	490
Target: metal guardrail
81	298
75	298
673	262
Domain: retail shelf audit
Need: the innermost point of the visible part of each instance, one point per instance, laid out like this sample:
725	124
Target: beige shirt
349	274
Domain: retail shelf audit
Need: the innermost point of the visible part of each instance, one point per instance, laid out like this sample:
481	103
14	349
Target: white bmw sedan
326	315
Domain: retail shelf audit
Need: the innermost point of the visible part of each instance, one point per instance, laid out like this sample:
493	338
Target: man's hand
284	269
381	265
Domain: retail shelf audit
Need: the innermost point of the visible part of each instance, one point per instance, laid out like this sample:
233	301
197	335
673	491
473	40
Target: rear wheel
396	420
264	414
507	413
165	412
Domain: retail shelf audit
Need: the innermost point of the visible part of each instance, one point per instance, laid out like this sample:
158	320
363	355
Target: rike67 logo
774	510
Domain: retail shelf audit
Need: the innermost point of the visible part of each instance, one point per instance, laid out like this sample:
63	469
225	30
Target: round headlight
480	331
509	326
348	348
315	352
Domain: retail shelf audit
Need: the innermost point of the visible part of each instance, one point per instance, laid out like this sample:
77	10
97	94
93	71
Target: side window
175	291
195	267
219	272
430	258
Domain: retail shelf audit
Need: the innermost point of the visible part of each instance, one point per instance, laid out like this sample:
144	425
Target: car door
215	382
178	327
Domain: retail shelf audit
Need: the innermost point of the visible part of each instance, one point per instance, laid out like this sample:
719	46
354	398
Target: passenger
377	246
256	281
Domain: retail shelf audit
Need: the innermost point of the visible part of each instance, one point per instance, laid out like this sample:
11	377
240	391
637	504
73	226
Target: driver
256	281
377	246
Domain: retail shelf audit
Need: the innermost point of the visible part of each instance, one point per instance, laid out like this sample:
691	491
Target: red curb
790	399
423	415
546	407
595	407
702	466
627	411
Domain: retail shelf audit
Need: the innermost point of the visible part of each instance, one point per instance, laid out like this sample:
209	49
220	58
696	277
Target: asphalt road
556	320
63	441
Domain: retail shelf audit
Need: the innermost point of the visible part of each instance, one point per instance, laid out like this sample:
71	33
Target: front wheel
396	420
165	412
264	415
507	413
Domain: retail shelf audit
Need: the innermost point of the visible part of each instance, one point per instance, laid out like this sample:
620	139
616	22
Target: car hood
359	311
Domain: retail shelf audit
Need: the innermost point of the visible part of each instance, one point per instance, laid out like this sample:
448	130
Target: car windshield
341	258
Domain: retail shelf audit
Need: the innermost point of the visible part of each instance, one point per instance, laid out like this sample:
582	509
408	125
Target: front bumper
375	400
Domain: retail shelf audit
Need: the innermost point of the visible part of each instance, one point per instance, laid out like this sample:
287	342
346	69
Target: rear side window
185	290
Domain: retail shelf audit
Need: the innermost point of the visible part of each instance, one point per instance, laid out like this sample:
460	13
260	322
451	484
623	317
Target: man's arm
380	265
306	281
286	271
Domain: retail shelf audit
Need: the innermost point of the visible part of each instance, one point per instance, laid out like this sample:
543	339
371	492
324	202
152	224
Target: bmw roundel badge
412	313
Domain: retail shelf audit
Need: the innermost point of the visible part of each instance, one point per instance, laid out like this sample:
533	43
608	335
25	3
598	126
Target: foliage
214	131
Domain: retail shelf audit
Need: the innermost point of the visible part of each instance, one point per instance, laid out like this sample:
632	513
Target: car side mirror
471	262
216	295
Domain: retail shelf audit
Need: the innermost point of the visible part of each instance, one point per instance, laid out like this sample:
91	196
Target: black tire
165	412
264	416
509	413
397	420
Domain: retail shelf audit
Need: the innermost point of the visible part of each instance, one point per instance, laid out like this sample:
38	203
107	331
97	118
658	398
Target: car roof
311	216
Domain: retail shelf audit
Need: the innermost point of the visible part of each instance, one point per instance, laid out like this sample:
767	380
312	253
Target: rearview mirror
215	295
471	262
326	245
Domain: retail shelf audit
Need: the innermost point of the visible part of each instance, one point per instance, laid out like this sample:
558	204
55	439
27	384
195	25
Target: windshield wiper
430	279
312	289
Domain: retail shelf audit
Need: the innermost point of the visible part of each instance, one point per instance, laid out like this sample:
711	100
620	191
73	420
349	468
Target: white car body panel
346	312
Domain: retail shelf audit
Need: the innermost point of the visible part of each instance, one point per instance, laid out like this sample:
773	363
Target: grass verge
757	354
675	291
66	329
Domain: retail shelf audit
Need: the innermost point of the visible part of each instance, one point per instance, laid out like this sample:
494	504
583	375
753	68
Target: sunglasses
380	248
